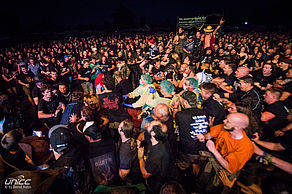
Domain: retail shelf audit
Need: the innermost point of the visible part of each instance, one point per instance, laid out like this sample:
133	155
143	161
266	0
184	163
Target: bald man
161	112
241	72
232	148
233	93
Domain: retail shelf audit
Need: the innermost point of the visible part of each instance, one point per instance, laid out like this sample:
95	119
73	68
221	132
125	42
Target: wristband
268	157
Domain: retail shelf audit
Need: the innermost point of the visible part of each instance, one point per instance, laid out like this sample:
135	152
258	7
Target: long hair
129	131
92	101
175	56
253	126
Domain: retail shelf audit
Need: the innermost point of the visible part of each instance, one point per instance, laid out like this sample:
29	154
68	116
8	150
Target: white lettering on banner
199	126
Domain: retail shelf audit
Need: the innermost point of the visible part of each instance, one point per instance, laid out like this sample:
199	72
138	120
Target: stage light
245	23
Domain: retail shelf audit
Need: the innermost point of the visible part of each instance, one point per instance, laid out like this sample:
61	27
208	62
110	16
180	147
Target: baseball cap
60	138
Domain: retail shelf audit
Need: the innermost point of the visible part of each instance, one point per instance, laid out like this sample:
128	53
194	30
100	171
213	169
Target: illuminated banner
188	23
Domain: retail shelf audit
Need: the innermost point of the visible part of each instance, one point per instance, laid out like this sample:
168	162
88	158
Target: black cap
60	138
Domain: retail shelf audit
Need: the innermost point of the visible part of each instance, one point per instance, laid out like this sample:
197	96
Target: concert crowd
186	112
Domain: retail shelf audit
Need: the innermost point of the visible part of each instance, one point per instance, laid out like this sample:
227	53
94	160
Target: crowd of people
202	112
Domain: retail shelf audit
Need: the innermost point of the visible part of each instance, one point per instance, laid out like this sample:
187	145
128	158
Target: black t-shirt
229	79
105	66
54	83
189	46
65	98
85	73
50	67
288	101
17	159
103	161
214	109
172	136
48	107
286	142
157	164
280	119
129	161
250	63
26	78
36	92
63	70
259	61
158	71
263	80
280	74
124	87
190	122
254	100
153	52
111	103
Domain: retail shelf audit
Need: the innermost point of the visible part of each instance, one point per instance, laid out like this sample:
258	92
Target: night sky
21	15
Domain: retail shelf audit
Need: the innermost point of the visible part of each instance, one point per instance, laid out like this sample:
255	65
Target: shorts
184	160
87	87
26	91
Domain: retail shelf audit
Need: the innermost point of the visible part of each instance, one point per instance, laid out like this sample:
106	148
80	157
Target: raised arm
221	22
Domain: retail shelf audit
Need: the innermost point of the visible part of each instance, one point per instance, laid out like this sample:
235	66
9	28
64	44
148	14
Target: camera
37	133
146	113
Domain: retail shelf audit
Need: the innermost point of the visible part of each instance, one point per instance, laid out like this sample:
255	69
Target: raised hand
225	180
221	21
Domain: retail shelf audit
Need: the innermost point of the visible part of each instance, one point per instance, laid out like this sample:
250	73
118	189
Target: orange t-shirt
235	151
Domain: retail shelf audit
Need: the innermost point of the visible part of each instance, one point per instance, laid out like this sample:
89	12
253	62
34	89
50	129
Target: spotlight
245	23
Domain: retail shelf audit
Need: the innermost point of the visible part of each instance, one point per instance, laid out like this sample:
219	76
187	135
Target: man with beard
158	167
231	150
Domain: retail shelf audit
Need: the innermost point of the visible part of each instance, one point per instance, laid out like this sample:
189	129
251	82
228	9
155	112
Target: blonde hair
92	101
175	56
